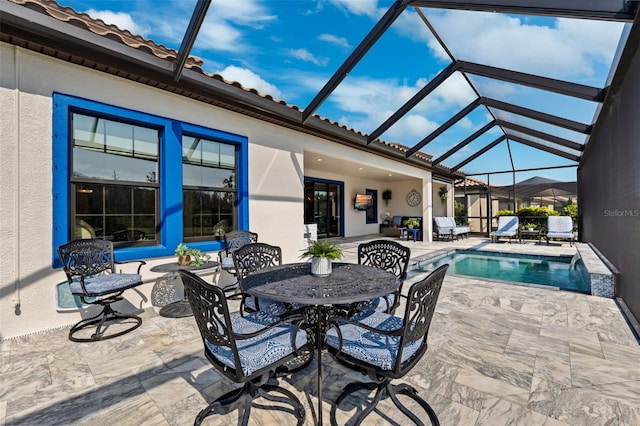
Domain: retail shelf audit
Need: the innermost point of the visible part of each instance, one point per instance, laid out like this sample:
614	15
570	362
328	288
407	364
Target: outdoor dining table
293	283
181	308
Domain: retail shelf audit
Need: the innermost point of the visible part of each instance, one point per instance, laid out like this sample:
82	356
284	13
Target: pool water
552	271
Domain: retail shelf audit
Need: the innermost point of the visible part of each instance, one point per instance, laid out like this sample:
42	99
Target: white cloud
218	35
377	100
338	41
412	127
244	12
359	7
221	27
249	80
122	20
568	48
306	56
494	89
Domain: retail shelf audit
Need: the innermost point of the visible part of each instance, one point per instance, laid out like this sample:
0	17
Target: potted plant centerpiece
188	256
411	223
321	254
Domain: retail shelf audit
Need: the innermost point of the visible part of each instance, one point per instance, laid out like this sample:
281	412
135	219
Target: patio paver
499	354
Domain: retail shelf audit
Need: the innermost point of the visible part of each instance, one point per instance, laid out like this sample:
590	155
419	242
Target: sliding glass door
323	206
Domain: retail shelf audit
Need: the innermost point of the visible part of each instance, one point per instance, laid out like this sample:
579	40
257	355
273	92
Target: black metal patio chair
90	269
246	349
250	258
390	256
387	347
233	240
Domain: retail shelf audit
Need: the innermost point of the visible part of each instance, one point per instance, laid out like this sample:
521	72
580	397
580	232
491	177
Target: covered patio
499	354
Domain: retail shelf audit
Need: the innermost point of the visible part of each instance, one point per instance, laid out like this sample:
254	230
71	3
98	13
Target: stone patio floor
499	354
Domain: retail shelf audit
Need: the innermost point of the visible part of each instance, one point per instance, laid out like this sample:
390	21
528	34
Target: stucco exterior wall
27	82
609	186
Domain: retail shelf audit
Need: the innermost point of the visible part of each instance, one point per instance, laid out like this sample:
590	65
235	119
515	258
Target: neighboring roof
469	182
539	186
20	28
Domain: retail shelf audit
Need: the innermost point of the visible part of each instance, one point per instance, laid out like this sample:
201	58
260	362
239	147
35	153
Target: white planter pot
320	266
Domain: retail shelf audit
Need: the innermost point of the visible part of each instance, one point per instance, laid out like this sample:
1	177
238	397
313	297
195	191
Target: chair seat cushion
99	285
560	234
260	351
270	306
381	303
371	347
461	230
227	263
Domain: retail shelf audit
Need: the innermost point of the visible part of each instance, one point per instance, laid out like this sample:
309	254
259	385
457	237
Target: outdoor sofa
446	227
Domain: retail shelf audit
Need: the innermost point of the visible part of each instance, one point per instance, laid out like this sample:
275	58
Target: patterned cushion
371	347
227	263
262	350
104	284
270	306
378	304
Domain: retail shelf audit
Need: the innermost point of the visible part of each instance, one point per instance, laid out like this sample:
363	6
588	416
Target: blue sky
290	48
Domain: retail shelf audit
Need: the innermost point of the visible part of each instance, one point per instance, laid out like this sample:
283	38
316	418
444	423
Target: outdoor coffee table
415	232
293	283
530	233
180	308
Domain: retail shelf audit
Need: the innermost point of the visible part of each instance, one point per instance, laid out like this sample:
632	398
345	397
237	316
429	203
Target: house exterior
95	145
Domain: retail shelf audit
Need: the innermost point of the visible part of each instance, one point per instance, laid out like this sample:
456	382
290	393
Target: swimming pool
555	271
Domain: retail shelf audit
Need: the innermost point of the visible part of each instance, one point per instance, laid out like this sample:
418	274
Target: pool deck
499	354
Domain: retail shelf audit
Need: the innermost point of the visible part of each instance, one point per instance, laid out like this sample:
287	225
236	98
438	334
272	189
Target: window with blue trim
145	182
114	181
208	176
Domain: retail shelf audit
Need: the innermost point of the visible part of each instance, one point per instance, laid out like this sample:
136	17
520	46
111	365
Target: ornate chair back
390	256
235	239
83	258
385	254
251	257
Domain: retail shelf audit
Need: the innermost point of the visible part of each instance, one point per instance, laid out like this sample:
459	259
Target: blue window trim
170	171
341	185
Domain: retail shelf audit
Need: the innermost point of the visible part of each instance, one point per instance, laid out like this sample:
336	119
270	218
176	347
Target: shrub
460	213
505	213
535	215
571	210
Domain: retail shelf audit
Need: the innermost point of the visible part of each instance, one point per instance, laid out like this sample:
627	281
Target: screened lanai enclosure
525	114
562	96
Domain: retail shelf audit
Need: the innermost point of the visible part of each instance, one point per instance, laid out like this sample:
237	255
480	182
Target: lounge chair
445	226
560	227
507	227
